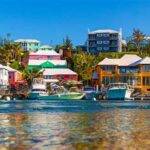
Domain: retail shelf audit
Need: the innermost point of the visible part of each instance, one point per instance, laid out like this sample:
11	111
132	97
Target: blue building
104	41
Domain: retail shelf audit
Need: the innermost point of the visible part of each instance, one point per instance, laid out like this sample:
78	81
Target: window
99	48
146	68
146	81
99	42
105	48
99	34
105	42
24	44
106	35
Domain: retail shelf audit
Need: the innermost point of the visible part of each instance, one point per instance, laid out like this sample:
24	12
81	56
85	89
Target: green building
43	64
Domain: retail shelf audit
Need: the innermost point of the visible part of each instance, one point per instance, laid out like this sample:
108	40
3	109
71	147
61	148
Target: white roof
144	61
9	68
103	31
108	61
39	62
2	67
59	71
126	60
27	41
45	52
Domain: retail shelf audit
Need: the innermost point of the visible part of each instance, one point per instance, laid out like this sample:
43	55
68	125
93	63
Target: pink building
55	69
44	53
62	74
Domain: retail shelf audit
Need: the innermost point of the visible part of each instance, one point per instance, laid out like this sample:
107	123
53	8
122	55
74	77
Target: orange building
130	69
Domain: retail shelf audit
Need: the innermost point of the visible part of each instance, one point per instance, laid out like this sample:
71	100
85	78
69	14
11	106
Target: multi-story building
29	44
104	41
129	69
50	62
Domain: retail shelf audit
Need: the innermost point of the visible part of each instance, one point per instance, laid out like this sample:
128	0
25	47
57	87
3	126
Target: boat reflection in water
73	125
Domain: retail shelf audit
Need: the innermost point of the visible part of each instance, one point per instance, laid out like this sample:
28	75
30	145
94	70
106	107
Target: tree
29	75
137	39
11	54
67	44
81	62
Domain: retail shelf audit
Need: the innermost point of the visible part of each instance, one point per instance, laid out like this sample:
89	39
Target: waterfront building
104	41
50	63
4	83
130	69
58	74
29	44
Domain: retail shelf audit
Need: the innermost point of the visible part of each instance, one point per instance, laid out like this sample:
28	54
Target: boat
60	93
119	91
39	92
38	88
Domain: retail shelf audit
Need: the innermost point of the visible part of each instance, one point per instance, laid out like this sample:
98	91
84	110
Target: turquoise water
71	125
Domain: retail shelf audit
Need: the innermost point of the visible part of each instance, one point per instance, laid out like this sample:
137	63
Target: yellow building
130	69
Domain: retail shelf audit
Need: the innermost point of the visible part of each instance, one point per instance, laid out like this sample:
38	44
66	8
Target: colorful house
15	77
130	69
44	53
48	60
59	74
41	64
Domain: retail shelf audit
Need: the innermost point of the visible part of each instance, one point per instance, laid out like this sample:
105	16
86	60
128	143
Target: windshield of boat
118	85
38	81
73	89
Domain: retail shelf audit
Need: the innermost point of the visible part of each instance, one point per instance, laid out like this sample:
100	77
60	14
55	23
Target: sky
52	20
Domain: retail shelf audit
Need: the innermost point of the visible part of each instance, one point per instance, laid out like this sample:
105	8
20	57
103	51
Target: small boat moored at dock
119	91
39	92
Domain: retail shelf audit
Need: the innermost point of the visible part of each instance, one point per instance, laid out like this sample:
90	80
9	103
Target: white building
4	77
29	44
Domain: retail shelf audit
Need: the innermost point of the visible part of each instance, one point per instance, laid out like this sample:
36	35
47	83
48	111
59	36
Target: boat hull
64	96
119	94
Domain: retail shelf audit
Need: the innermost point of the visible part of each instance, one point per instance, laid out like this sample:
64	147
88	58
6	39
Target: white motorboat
39	92
38	88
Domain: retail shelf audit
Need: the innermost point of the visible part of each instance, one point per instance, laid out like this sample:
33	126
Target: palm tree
67	44
29	75
137	38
